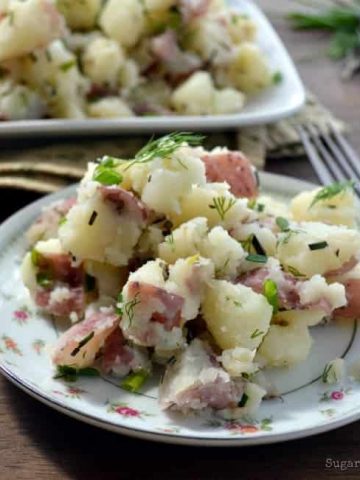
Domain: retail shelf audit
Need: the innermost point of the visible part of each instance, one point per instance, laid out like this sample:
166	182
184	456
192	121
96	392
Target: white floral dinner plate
274	103
306	406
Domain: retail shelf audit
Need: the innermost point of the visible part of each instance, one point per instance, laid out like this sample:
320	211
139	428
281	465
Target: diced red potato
78	346
47	225
166	49
60	268
196	381
193	9
352	309
233	168
124	201
119	358
152	316
70	300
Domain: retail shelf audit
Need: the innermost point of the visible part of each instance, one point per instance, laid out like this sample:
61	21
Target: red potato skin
233	168
352	309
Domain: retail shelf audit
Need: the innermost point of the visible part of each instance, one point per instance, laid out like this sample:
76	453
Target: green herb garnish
44	280
257	246
165	146
35	257
277	78
64	67
283	224
222	205
256	258
130	306
71	374
135	381
271	294
105	174
82	343
257	333
243	401
62	221
92	218
328	372
119	304
332	190
294	271
318	245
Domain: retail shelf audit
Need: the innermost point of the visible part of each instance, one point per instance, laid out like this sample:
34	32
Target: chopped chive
294	271
64	67
90	283
71	374
318	245
271	294
82	343
256	258
277	78
257	333
243	401
135	381
257	246
92	218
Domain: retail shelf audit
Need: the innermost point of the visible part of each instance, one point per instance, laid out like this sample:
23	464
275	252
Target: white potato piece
228	100
27	26
171	179
293	251
112	236
19	102
201	201
55	74
248	70
285	345
154	5
340	209
109	279
125	24
129	76
109	107
184	241
196	96
254	395
334	371
317	289
241	28
102	61
80	14
236	316
239	360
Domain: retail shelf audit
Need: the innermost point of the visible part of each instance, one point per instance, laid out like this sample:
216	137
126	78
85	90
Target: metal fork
330	154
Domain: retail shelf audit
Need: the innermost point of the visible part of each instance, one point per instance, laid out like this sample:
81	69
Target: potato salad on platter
174	261
80	59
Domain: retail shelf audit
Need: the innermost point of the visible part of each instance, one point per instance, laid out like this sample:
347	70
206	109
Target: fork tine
350	153
336	156
327	158
321	171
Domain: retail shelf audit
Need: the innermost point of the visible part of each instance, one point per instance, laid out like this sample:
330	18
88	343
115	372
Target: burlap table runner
48	165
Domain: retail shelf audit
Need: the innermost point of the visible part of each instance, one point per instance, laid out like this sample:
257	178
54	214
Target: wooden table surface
39	443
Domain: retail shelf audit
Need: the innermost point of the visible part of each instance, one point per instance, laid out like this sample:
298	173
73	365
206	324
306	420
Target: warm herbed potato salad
172	258
119	58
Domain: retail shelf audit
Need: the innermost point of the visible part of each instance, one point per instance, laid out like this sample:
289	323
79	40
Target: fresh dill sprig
222	205
332	190
165	146
130	306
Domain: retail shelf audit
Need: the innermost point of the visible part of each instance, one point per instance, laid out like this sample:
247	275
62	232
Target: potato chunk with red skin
233	168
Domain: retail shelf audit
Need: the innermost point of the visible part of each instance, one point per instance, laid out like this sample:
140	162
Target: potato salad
173	260
89	58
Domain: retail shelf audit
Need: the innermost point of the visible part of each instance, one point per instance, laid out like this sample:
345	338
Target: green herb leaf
243	401
331	19
44	280
343	43
318	245
62	221
277	78
135	381
165	146
119	304
105	173
283	224
271	294
256	258
332	190
222	205
35	257
71	374
257	333
64	67
129	307
82	343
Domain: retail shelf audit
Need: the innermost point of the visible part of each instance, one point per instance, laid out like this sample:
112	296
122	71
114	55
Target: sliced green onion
135	381
256	258
243	401
71	374
271	294
318	245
